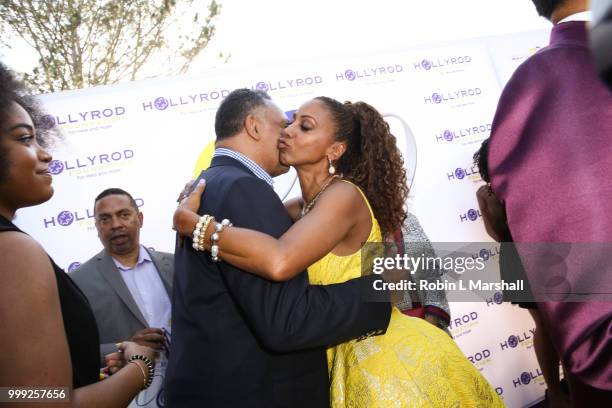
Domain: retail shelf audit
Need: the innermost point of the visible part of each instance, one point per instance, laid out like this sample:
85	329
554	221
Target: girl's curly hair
372	160
14	91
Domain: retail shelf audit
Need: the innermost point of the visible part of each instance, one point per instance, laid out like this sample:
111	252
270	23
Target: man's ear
252	126
140	218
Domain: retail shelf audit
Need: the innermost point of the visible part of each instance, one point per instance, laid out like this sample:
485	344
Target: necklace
307	207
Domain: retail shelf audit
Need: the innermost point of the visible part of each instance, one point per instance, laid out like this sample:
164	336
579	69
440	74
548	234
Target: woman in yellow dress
354	188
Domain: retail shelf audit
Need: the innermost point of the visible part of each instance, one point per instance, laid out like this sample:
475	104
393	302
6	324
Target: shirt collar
248	163
582	16
143	255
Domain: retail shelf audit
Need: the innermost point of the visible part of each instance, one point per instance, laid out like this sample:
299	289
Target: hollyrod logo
56	167
525	339
162	103
290	114
271	86
461	173
49	121
445	62
479	131
480	358
463	320
369	72
470	215
497	299
526	377
437	98
73	266
68	217
487	253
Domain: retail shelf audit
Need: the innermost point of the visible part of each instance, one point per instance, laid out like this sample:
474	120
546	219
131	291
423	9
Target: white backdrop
146	137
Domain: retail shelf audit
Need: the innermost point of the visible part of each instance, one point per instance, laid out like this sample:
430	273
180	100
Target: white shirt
147	289
248	163
582	16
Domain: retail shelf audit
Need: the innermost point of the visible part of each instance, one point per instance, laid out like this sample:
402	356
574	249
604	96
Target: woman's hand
186	216
185	191
114	362
129	349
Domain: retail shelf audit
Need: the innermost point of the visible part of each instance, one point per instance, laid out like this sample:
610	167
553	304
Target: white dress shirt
147	290
582	16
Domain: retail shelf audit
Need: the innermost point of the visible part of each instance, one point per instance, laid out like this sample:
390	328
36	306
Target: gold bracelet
197	230
200	231
144	375
203	233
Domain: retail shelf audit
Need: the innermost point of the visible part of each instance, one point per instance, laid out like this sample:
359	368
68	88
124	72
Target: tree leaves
83	43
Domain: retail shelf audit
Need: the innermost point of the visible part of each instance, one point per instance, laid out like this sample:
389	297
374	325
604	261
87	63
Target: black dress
79	324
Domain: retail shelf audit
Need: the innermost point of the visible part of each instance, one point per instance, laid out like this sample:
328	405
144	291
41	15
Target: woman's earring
332	169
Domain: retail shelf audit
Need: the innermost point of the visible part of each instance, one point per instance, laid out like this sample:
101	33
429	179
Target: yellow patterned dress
413	365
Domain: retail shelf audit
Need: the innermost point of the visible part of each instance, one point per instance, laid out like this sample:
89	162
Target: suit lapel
107	268
164	266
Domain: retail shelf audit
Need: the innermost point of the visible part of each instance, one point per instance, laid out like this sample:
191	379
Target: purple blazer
550	161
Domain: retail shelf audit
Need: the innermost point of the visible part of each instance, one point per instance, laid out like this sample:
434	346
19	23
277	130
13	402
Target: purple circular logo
459	173
262	86
56	167
350	74
47	122
426	64
448	135
290	114
65	218
161	103
73	266
525	378
436	97
484	254
472	214
498	298
513	342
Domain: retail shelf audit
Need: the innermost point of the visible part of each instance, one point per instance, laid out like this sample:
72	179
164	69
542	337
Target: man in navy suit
237	339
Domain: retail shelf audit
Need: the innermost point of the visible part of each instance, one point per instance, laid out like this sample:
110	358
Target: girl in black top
48	332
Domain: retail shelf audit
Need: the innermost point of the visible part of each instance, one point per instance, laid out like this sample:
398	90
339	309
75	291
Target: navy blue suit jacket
240	340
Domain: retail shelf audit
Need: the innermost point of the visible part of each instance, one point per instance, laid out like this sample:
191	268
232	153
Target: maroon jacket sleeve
550	156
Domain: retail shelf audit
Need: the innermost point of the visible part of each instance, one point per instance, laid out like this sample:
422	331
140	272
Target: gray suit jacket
116	312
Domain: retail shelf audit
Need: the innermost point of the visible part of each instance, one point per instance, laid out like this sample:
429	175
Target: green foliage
83	43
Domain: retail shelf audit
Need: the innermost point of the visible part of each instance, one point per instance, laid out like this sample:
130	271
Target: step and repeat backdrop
150	137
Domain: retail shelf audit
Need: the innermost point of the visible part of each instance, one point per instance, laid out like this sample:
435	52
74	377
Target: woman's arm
337	211
33	342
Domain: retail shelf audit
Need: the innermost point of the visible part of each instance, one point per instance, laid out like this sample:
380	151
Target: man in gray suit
128	286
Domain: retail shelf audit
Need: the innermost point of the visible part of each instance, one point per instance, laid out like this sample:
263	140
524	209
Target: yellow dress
413	365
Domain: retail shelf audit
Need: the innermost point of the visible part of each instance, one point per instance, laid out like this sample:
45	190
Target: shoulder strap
362	195
7	225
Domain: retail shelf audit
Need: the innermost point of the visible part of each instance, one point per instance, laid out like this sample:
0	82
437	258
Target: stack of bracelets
148	380
199	235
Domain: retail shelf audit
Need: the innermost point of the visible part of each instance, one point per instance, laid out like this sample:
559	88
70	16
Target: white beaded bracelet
199	232
214	239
